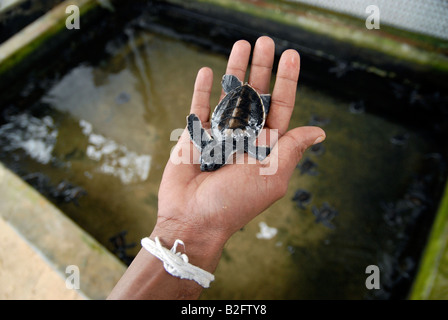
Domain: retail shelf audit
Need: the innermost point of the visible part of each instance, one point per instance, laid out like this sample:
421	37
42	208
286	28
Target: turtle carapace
235	125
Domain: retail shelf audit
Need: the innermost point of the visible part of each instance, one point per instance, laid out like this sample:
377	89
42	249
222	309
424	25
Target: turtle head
210	166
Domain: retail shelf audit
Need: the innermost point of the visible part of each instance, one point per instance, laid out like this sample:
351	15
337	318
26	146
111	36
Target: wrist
202	247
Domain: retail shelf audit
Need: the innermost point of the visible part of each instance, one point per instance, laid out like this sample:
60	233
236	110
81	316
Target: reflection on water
35	136
115	159
266	232
105	129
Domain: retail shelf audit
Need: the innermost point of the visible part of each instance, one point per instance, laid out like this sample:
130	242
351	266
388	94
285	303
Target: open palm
216	204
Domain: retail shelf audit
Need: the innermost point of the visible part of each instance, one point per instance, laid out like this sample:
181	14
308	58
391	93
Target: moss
405	45
432	278
92	244
41	31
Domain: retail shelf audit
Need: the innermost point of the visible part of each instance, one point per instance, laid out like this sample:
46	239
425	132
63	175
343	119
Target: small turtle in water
307	166
122	98
393	212
302	198
400	139
38	180
325	214
121	246
236	123
357	107
317	149
67	192
341	68
317	120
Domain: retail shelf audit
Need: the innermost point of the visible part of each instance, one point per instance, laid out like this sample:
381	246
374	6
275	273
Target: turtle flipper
259	153
230	82
198	135
266	99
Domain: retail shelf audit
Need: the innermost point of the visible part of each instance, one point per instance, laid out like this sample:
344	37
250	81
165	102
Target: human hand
208	207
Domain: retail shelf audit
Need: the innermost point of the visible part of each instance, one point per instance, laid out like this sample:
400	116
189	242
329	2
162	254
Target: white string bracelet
176	263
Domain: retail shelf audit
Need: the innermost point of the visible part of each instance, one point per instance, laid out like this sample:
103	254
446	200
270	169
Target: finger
261	67
238	60
200	104
284	93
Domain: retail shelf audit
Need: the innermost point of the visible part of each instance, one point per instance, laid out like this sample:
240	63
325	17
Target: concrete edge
35	39
341	27
56	238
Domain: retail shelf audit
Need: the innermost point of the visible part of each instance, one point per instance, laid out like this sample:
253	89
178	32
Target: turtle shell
242	108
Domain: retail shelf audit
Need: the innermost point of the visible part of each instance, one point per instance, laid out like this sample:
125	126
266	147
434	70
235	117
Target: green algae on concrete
57	239
407	46
432	279
32	39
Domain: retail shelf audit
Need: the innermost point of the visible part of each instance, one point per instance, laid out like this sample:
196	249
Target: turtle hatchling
235	125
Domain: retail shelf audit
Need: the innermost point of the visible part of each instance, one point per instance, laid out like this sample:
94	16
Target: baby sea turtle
357	107
67	192
317	120
341	68
325	214
235	125
393	212
400	139
317	149
302	198
307	166
123	98
121	246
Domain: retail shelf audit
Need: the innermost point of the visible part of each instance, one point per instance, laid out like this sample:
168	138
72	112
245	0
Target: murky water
97	142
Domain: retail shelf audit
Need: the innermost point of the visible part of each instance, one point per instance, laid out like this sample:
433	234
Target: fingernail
319	140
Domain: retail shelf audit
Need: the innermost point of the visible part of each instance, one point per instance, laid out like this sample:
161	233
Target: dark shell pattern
239	116
241	108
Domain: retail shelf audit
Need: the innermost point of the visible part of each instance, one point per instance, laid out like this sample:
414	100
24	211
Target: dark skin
204	209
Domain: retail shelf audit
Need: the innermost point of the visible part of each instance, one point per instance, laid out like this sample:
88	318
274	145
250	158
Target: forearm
146	277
